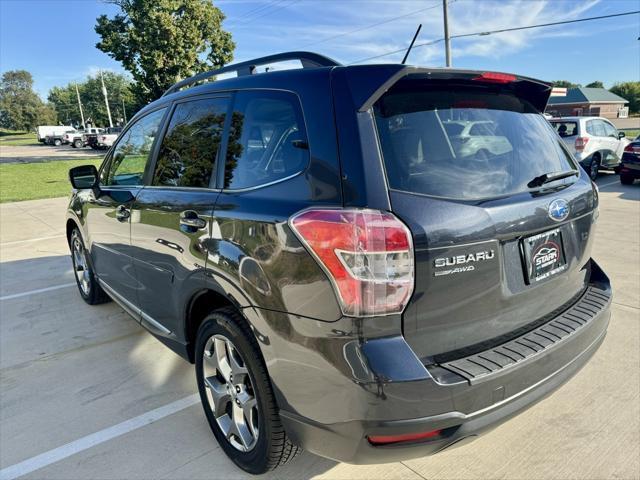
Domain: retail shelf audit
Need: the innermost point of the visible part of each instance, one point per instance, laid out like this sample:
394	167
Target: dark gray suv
370	262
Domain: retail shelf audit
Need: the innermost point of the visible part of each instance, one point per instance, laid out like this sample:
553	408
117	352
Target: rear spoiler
370	82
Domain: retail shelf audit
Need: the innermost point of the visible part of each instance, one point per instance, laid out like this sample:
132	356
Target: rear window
466	144
566	129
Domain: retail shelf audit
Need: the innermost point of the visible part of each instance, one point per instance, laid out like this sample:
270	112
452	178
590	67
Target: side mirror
85	176
621	135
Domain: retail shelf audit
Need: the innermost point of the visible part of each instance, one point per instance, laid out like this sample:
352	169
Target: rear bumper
462	408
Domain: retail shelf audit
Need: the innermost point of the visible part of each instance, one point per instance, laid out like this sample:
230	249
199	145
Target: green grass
30	181
9	138
631	134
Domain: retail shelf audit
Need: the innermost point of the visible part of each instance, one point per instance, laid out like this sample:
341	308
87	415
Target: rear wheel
237	396
77	143
626	179
57	142
594	166
90	290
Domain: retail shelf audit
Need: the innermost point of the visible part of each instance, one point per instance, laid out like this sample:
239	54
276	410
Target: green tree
163	41
565	84
94	109
20	107
630	91
596	84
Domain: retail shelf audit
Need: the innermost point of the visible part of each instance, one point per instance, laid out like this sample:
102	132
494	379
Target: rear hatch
498	250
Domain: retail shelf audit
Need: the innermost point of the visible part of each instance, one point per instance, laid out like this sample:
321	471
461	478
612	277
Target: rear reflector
581	142
495	77
407	437
367	255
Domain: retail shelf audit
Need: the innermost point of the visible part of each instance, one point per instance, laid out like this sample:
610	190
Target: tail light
631	148
581	142
367	254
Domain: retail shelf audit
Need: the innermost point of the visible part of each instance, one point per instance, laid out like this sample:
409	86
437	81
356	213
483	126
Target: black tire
272	447
594	166
626	179
77	143
57	142
91	291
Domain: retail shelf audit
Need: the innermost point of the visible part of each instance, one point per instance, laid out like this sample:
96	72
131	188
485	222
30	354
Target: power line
490	32
367	27
267	12
255	11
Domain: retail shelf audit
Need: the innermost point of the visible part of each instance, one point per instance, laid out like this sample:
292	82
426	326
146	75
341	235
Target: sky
55	39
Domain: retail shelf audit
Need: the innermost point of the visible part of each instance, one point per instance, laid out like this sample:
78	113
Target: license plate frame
544	255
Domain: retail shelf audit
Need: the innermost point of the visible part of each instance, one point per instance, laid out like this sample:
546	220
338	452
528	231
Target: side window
598	126
591	128
610	130
131	153
267	139
191	144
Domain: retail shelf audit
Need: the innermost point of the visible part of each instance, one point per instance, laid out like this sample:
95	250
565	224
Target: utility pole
106	100
124	112
447	40
80	106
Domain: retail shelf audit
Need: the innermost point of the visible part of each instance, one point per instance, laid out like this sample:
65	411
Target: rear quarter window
566	129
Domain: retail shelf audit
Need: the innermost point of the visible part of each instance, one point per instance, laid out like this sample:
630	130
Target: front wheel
237	396
77	144
626	179
90	291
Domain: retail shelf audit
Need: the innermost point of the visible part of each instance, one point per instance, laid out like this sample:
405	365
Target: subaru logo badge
558	210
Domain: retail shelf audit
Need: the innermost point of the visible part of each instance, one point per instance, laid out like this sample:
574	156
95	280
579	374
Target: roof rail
308	60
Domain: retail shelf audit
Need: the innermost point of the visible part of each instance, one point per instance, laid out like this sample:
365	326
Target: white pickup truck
80	139
106	139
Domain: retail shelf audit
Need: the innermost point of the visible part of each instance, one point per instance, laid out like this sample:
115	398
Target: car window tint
267	139
591	128
130	155
566	129
191	144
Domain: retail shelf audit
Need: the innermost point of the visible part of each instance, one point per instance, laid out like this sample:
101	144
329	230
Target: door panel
169	254
171	219
109	211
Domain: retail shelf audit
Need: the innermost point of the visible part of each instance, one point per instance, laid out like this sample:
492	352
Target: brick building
582	101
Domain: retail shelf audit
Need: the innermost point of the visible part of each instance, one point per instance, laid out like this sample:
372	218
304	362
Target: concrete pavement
44	153
69	371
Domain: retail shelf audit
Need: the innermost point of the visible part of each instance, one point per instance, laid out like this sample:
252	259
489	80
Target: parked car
43	131
594	141
630	167
79	139
476	137
105	140
343	279
59	139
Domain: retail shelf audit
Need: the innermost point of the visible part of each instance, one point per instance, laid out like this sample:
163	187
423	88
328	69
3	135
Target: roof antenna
411	46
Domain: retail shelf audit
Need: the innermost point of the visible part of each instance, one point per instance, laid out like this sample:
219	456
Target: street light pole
106	100
447	40
80	106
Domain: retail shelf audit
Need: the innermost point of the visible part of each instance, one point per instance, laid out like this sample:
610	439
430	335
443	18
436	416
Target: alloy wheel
81	266
230	393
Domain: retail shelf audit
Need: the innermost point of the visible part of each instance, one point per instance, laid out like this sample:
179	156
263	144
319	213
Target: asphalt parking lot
44	153
85	393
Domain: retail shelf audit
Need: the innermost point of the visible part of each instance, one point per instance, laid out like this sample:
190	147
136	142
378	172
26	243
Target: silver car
594	142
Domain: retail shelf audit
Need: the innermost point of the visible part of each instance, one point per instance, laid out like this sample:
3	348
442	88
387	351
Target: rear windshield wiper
550	177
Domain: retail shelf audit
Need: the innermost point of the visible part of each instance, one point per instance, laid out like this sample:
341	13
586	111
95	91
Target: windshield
465	143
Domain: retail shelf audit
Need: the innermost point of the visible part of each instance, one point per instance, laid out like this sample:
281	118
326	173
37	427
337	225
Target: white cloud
312	24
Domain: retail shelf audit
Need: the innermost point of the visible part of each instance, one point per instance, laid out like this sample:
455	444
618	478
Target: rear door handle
190	219
122	213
